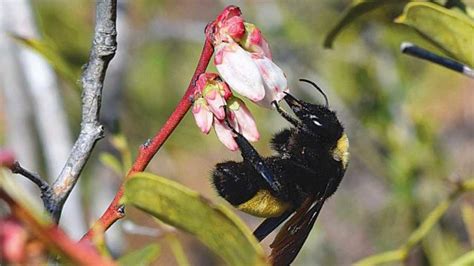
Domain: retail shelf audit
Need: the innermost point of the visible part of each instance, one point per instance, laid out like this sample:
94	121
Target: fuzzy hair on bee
311	159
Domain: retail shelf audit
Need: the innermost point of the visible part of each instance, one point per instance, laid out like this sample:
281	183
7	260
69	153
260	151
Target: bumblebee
312	157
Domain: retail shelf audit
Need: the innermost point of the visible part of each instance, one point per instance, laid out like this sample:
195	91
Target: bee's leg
267	226
250	155
285	115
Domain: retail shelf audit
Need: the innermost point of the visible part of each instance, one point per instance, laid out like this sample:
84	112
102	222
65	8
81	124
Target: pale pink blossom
215	101
202	115
214	91
241	120
225	135
237	68
240	114
210	97
244	61
274	80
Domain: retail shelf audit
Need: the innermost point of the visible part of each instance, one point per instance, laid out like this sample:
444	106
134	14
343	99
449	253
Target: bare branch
44	187
33	177
103	50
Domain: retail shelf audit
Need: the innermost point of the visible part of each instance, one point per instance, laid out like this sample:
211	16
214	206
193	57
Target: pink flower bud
245	122
232	30
225	91
253	41
202	115
274	79
203	79
225	135
237	68
227	13
228	26
215	100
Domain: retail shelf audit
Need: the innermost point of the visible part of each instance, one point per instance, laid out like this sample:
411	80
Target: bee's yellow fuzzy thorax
263	204
341	151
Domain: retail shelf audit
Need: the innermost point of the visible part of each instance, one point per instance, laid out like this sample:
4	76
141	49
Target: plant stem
54	237
115	211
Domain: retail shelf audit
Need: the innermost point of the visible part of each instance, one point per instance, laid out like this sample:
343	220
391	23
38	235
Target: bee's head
316	119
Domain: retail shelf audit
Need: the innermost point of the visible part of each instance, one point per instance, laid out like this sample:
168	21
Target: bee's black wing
291	237
284	167
267	226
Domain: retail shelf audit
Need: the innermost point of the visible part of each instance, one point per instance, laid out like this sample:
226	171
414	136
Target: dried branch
103	50
7	160
16	168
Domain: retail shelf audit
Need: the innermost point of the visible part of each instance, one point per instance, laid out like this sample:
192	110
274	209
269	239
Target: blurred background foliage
410	123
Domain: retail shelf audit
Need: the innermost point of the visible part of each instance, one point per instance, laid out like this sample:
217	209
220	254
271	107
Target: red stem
148	150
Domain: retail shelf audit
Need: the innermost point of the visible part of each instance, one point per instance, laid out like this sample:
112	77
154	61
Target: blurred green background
410	123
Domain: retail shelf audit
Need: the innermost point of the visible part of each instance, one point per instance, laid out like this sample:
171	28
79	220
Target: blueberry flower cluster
244	62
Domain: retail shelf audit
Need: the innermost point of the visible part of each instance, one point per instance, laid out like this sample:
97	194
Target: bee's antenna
319	89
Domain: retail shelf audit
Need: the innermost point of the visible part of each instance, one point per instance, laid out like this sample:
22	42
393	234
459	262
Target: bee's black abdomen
235	181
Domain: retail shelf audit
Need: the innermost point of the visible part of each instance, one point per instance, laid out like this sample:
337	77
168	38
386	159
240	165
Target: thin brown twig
16	168
44	187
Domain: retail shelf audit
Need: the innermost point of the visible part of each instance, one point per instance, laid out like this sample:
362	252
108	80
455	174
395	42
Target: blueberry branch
115	211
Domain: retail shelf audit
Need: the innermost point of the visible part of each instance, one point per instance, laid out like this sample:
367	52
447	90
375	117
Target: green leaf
112	162
465	260
177	250
468	217
450	30
119	141
52	56
143	256
357	9
214	225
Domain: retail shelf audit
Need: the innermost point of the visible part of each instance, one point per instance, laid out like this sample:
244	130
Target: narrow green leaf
52	56
468	218
465	260
177	250
214	225
450	30
143	256
112	162
119	141
385	257
357	9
